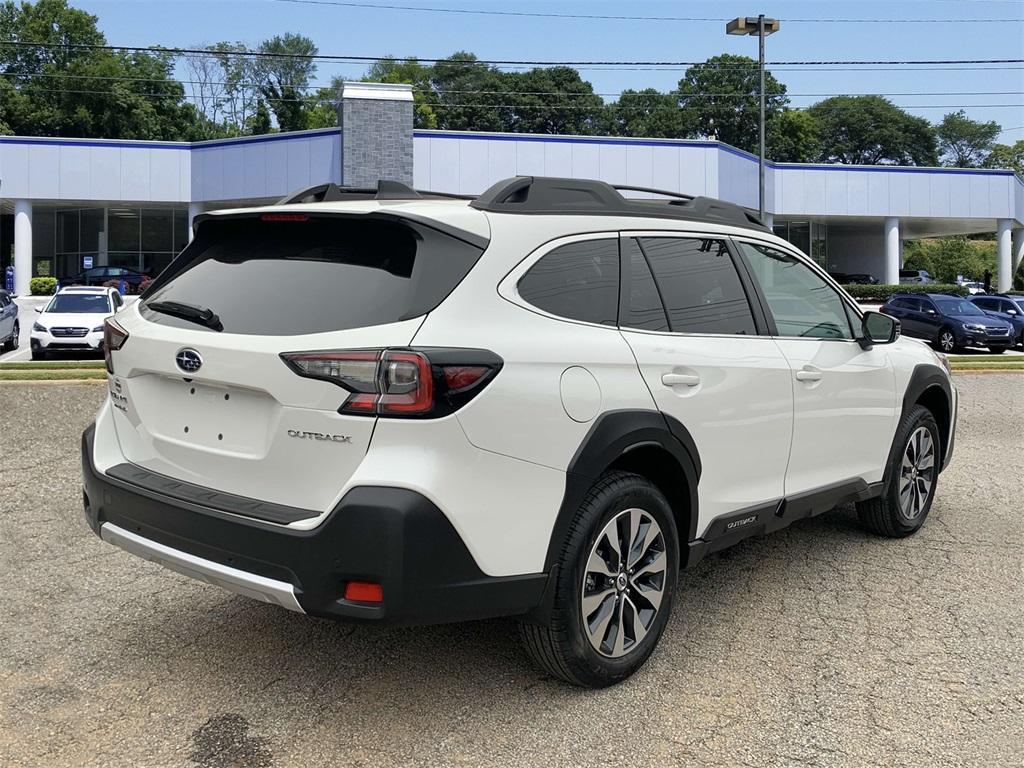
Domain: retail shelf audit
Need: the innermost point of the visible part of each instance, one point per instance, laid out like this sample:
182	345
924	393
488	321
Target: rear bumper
392	536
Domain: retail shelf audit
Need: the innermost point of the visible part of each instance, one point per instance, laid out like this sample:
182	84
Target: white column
1017	249
1005	274
194	209
892	251
22	246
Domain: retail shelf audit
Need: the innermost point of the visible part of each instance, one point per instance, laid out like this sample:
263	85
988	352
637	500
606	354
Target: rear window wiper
200	315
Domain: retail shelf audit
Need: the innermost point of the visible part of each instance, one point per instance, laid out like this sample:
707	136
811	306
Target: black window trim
625	279
508	287
814	267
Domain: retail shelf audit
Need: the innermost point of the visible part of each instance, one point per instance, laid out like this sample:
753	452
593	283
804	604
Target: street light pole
760	143
762	27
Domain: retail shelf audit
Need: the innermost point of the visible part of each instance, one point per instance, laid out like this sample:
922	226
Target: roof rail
385	190
550	195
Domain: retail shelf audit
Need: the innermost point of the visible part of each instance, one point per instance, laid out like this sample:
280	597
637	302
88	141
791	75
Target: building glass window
65	239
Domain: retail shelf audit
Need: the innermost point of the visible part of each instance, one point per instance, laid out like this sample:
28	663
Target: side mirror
877	328
930	311
39	310
1012	312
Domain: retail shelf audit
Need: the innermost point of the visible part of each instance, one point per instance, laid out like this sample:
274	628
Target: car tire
38	354
599	609
946	341
997	350
12	343
912	473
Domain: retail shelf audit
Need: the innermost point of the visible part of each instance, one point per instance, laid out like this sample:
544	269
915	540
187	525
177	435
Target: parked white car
542	402
73	320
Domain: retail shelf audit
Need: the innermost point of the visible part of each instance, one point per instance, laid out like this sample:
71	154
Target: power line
616	94
477	105
610	17
477	62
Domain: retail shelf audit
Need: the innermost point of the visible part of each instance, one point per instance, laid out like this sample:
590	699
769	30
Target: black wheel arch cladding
611	437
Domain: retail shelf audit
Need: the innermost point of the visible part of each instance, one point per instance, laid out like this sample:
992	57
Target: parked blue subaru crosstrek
1009	309
948	322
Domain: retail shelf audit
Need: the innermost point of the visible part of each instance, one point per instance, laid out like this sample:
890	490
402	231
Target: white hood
88	320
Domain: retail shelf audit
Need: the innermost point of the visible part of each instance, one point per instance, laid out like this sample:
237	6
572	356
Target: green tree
73	91
553	100
1007	156
647	113
872	130
391	70
947	258
470	96
284	70
965	143
794	136
720	100
259	121
52	23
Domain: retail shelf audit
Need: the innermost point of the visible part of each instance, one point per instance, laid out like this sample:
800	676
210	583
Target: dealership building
67	203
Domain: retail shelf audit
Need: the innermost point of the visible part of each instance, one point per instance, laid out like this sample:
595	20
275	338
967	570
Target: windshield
957	307
80	303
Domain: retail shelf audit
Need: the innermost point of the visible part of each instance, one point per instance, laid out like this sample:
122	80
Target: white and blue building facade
66	203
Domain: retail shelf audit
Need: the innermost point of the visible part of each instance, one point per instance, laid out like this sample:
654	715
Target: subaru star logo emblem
189	360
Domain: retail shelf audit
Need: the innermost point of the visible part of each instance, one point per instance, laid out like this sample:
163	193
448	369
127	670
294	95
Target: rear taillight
114	337
413	383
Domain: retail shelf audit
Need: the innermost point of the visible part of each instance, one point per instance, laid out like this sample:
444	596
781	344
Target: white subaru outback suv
396	407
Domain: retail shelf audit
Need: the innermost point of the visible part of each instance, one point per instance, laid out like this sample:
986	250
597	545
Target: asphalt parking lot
818	646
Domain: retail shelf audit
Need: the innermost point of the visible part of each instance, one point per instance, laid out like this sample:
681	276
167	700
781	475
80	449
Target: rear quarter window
578	281
312	275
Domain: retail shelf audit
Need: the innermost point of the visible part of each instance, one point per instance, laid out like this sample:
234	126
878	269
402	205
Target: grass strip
61	375
42	365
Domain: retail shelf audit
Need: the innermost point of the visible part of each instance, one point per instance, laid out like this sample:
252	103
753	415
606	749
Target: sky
984	93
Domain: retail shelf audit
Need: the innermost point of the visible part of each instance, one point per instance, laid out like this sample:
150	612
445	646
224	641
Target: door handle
674	379
808	374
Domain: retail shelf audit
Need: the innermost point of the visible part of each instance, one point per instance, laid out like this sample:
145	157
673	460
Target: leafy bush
881	293
42	286
946	258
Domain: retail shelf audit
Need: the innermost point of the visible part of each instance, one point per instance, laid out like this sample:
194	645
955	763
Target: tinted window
645	309
579	281
325	273
985	303
699	285
801	302
79	303
957	307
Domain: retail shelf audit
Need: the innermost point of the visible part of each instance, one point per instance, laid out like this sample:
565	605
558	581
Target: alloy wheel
15	339
947	341
624	583
917	473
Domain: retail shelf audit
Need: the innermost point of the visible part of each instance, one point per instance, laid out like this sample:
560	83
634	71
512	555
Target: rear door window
283	276
645	308
578	281
699	285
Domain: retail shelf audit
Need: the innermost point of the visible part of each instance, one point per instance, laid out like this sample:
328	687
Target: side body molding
613	435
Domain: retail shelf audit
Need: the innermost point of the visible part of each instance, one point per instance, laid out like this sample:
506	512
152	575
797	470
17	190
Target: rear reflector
364	592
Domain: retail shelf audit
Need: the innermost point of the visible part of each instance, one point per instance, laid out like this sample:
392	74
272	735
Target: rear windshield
80	303
323	273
